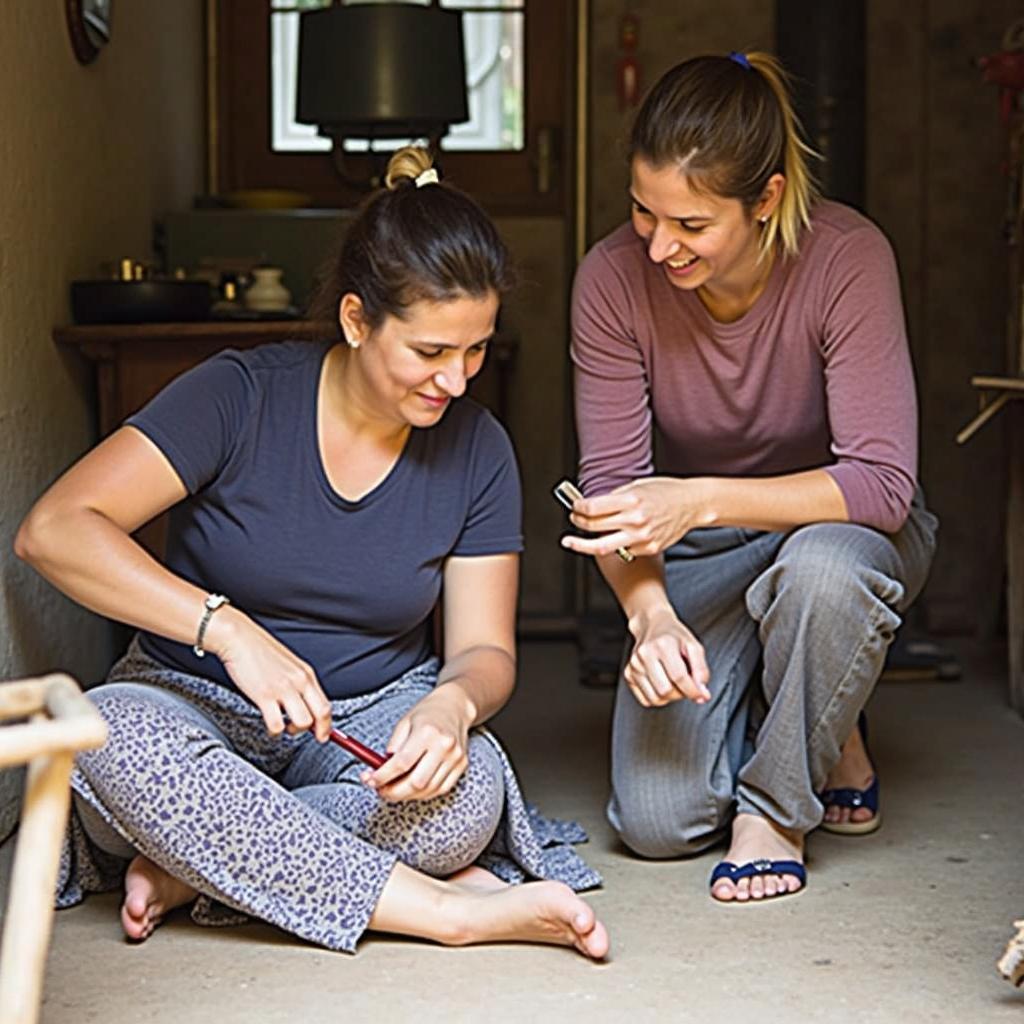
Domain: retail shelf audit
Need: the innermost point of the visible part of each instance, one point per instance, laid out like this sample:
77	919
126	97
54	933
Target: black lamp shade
381	70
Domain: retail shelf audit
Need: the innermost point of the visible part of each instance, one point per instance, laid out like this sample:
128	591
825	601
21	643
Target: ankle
752	823
452	921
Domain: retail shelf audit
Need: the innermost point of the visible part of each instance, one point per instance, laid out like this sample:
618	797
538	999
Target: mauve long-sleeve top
816	374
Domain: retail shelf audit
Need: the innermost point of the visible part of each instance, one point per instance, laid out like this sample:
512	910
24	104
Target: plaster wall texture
89	156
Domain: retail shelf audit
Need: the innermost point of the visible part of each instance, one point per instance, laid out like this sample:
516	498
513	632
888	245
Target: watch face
89	24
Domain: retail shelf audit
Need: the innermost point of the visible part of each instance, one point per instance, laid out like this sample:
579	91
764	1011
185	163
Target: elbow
31	540
24	541
890	522
891	510
879	497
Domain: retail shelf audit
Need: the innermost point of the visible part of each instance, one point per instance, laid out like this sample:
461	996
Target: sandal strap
852	798
762	866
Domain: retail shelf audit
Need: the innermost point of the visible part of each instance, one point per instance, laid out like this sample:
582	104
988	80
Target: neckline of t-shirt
334	496
741	327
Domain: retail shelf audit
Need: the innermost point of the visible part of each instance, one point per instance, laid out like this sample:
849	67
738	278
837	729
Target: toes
136	926
723	890
136	904
595	942
584	919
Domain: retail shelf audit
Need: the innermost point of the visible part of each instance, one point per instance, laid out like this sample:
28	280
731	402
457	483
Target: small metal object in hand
567	493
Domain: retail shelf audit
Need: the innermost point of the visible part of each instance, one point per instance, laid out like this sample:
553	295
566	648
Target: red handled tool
363	752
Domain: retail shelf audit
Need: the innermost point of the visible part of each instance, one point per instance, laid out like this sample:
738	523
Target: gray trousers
795	627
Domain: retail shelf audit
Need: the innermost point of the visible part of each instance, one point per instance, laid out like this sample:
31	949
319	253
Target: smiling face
410	368
702	240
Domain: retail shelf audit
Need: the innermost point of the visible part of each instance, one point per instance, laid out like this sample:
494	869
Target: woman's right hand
275	679
667	662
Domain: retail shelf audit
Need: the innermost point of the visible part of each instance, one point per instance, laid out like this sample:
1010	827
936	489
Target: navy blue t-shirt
347	585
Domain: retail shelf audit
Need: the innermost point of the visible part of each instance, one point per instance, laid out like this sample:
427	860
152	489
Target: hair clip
427	177
741	59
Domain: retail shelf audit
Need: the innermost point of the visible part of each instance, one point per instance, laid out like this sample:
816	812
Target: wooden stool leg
33	880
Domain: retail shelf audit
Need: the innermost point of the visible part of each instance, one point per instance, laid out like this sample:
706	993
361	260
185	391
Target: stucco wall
88	157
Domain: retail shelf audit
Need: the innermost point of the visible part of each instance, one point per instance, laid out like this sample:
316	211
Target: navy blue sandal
854	798
762	866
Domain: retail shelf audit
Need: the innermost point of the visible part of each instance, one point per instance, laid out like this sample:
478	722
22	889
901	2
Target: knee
141	724
122	708
669	827
479	796
822	573
467	818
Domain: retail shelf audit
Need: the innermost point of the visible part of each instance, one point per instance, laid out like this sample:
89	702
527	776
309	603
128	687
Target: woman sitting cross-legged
322	496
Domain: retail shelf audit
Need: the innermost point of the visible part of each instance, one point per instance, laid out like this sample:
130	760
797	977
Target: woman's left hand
645	517
429	749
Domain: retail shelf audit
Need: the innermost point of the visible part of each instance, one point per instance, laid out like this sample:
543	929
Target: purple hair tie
741	59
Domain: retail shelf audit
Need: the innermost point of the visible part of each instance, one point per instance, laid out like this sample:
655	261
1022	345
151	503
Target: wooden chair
54	721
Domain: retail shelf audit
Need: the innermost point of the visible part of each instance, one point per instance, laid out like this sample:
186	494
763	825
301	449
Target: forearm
479	681
93	561
757	503
639	586
770	503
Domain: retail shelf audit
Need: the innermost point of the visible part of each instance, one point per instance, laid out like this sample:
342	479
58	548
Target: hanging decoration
628	68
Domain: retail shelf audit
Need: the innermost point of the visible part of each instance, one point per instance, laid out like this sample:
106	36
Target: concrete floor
901	926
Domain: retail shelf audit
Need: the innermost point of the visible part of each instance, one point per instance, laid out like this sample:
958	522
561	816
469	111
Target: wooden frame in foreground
53	720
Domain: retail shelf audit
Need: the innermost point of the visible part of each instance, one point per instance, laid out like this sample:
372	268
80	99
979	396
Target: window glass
493	34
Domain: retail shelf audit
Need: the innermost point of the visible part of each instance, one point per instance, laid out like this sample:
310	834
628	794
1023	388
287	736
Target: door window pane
493	33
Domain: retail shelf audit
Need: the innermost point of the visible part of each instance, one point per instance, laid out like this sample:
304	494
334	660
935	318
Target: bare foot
756	838
853	771
477	879
459	912
548	912
149	893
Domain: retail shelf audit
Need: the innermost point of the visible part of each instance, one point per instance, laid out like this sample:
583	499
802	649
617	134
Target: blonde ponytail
793	213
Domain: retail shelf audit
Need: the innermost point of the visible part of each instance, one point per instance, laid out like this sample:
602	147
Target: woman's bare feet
853	771
547	912
461	913
477	879
756	838
149	893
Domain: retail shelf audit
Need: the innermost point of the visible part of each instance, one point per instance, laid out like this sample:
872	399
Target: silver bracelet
210	605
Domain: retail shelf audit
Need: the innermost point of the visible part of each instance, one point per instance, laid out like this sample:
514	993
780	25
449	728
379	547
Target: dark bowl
139	302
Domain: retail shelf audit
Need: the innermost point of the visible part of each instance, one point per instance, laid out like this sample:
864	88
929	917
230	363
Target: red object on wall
1005	69
627	71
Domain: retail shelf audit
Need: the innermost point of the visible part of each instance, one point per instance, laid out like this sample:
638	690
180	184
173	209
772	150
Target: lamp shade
381	70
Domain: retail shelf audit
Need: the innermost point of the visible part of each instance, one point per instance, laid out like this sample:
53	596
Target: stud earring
762	220
352	343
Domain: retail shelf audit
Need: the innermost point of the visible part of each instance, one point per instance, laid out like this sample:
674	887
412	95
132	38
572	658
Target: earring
762	220
352	343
